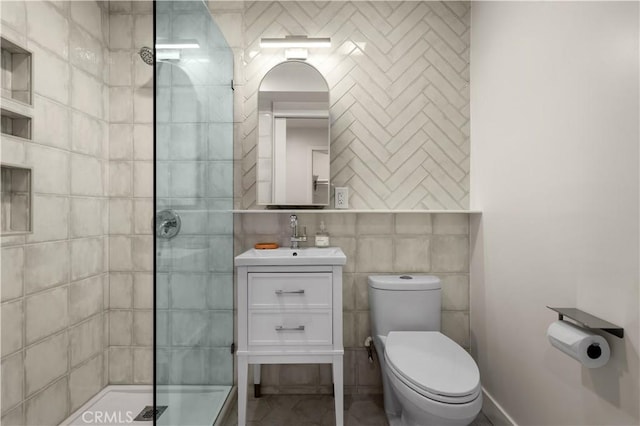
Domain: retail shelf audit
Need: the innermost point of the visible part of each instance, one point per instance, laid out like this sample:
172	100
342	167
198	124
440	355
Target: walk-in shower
192	244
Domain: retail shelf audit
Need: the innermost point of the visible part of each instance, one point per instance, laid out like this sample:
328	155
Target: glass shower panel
194	196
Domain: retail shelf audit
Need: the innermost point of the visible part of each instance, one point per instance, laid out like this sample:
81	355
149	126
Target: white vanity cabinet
289	314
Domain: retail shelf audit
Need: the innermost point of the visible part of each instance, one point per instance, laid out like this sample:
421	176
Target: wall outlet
341	198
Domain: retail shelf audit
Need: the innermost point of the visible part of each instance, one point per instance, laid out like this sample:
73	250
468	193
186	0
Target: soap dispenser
322	236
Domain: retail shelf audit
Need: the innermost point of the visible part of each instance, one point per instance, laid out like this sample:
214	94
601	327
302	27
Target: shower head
146	53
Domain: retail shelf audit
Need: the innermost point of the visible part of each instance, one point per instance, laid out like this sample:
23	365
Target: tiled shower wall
374	243
54	280
398	74
130	195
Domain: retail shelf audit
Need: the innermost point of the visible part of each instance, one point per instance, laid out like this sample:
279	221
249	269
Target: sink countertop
292	257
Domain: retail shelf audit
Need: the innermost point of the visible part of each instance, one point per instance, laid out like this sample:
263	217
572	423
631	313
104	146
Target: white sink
288	256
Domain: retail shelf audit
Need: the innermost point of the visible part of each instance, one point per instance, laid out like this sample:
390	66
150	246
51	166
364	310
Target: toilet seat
433	365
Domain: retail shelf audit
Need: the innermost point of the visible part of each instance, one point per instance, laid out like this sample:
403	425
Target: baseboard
494	411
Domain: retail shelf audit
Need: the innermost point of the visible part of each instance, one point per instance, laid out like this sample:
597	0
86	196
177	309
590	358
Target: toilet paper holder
588	321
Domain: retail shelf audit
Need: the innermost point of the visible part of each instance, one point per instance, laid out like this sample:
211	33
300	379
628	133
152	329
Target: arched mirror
293	137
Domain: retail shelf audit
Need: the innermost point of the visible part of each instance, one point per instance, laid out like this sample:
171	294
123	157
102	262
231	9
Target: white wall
555	158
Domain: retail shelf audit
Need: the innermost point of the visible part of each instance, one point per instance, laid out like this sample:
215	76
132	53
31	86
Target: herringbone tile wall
399	79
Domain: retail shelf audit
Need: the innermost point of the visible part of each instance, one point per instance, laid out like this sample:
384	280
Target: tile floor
316	410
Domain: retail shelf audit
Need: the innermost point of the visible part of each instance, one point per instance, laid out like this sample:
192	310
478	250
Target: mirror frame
262	160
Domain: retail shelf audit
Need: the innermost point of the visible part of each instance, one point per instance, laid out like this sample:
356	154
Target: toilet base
423	418
418	410
395	420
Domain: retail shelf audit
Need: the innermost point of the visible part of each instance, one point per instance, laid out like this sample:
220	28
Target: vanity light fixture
295	41
178	45
171	51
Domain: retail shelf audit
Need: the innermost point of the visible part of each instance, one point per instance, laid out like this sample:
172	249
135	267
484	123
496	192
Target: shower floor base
119	405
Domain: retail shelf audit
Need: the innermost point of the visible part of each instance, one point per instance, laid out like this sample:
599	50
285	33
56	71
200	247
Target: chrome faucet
295	237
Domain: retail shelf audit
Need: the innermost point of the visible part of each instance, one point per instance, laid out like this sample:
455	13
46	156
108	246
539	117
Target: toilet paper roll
591	349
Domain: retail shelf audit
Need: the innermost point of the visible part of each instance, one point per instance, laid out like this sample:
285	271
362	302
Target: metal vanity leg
338	389
243	376
256	381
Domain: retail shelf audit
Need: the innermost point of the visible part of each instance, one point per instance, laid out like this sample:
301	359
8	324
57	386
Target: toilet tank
404	303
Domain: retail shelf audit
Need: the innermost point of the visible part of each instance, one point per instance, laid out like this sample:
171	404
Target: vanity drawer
290	290
290	328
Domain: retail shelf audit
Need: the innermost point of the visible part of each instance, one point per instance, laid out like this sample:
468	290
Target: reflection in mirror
293	137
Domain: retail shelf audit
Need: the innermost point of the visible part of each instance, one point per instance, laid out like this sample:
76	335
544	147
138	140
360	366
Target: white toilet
427	378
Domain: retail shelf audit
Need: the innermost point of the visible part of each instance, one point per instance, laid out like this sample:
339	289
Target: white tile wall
50	218
142	359
121	138
46	265
14	15
86	257
46	313
48	406
86	51
143	215
120	365
12	272
54	83
84	382
120	215
45	361
51	127
143	179
120	328
131	192
121	30
85	340
86	134
85	298
143	291
450	253
120	256
12	381
50	169
53	279
12	326
86	93
121	104
120	68
88	15
143	142
87	217
48	27
120	179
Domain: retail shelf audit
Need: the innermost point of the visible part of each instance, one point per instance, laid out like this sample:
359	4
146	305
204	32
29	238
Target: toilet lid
432	362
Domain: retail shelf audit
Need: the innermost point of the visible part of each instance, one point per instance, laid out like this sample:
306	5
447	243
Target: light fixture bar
181	45
295	42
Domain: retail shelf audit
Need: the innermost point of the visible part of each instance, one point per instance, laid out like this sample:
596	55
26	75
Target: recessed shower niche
16	200
16	90
16	72
15	124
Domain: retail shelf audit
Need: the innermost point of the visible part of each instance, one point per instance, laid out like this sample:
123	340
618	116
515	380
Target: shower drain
148	413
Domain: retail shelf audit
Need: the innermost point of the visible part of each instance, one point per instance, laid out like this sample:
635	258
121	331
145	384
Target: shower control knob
168	224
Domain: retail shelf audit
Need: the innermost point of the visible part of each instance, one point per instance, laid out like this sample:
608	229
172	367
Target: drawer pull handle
279	292
298	328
